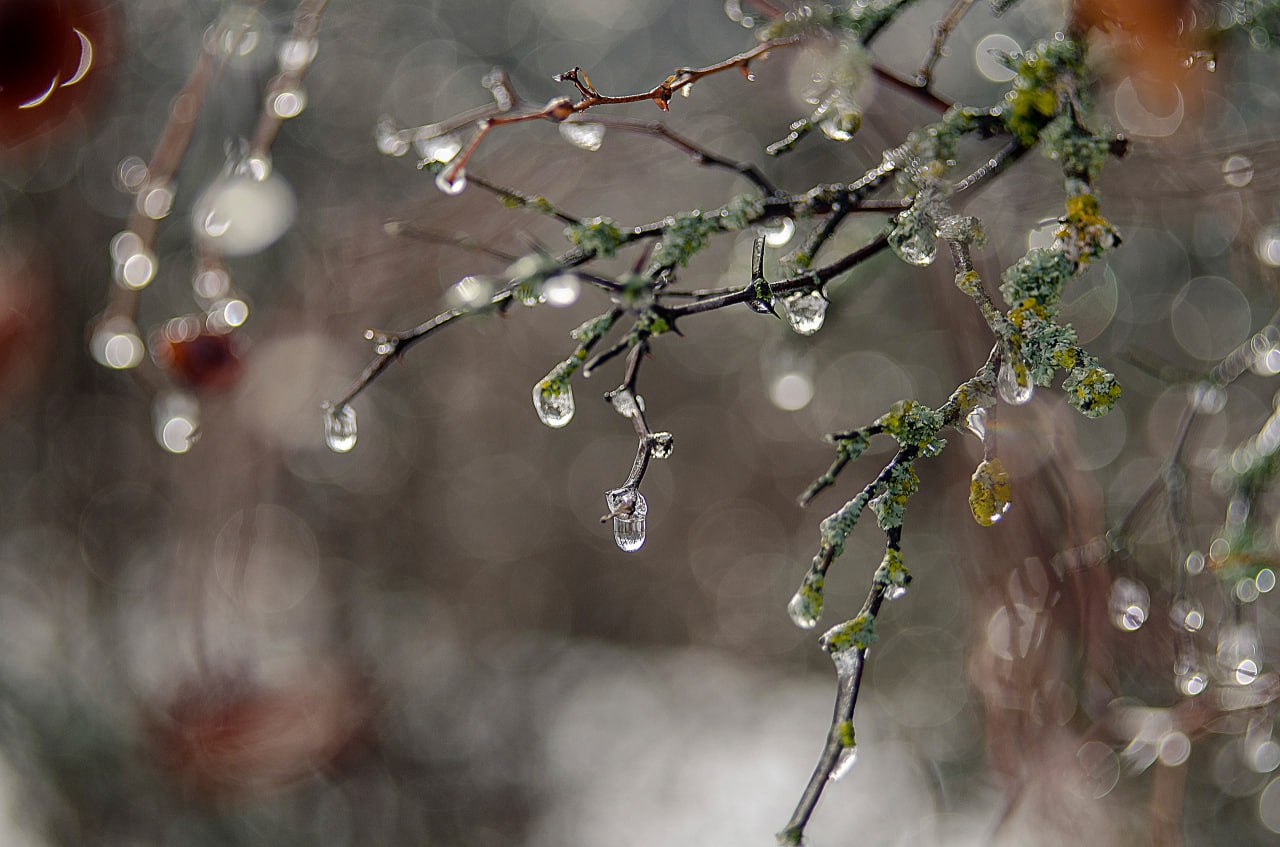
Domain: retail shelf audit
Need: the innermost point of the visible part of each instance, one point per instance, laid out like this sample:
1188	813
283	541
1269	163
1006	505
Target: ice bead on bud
339	427
989	497
914	243
806	311
439	148
553	403
390	139
1129	604
779	232
628	510
452	180
588	135
662	443
625	403
844	762
976	422
1013	382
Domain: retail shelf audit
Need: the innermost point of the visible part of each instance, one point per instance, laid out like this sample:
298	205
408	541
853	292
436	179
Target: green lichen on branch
596	237
856	634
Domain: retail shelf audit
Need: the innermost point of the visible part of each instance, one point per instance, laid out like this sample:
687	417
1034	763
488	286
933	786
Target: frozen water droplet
1237	171
296	54
628	509
470	292
976	422
733	10
803	610
452	180
687	90
1246	672
914	243
440	148
339	427
125	244
562	290
390	139
805	311
1129	604
1192	682
588	135
136	271
624	403
778	232
662	443
175	417
289	102
844	763
554	404
156	200
834	128
1187	614
895	592
989	492
1014	381
256	166
115	344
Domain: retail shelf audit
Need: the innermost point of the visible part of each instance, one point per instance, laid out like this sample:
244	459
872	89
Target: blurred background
245	638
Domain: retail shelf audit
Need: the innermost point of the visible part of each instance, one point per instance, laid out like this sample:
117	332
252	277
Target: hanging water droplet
733	10
1187	614
778	232
624	403
136	271
895	592
175	417
687	90
289	102
662	444
562	290
976	422
628	509
553	403
914	243
806	311
834	128
440	148
844	763
256	166
155	200
989	492
339	427
1014	380
468	293
125	244
452	180
1130	603
390	139
805	607
1237	171
115	344
588	135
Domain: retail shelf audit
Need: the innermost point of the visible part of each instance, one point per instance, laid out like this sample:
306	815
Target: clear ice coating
588	135
452	180
805	311
1013	382
339	427
662	444
895	592
554	406
914	243
1129	604
844	763
976	422
628	509
989	492
804	609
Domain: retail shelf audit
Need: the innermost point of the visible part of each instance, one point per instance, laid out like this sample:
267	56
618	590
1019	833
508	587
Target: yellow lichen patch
1030	307
989	496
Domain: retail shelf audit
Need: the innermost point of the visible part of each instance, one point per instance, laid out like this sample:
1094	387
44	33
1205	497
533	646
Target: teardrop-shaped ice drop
976	422
805	311
777	233
629	509
339	427
844	763
895	592
914	243
554	404
989	497
452	180
803	611
588	135
439	148
1014	381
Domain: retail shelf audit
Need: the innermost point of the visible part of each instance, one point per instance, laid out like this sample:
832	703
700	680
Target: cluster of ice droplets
806	311
844	762
588	135
339	427
629	510
553	405
1013	382
1130	604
